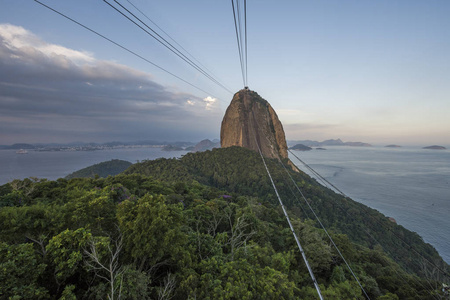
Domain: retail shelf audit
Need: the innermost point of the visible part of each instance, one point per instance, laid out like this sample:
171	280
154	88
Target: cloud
210	103
15	37
48	91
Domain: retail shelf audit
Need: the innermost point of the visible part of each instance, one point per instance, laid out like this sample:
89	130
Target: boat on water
22	151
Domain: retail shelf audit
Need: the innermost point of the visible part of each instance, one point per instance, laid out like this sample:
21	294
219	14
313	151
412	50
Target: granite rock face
250	121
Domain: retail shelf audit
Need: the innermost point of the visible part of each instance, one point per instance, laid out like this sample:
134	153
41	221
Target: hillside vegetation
103	169
206	226
240	170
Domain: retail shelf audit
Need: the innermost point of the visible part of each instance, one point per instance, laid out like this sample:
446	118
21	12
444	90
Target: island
171	148
435	147
300	147
393	146
357	144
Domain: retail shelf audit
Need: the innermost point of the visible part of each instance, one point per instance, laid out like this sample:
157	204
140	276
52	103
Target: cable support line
238	41
296	198
243	38
320	177
164	42
167	44
365	229
415	278
292	228
324	180
324	229
366	213
238	30
240	38
246	60
314	173
124	48
311	273
173	40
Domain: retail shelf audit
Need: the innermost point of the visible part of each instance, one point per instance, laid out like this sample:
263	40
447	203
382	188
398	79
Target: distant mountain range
206	145
114	144
18	146
181	145
331	142
201	146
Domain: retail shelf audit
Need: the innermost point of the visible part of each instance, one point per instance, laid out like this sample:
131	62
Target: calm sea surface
412	185
57	164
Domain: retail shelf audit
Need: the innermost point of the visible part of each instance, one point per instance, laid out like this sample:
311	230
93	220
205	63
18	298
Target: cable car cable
168	45
123	47
311	273
238	43
171	38
326	231
408	246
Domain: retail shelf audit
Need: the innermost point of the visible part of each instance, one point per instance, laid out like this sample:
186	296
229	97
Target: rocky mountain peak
251	121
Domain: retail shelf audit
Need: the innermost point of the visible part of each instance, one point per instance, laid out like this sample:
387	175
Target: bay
56	164
411	185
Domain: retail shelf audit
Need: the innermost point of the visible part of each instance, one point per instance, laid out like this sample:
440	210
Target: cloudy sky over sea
371	71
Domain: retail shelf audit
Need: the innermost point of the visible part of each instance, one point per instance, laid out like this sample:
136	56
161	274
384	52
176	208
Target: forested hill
241	171
103	169
206	226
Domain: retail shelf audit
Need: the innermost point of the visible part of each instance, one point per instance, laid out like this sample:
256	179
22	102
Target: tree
388	296
34	223
20	269
152	232
167	288
65	251
241	233
93	209
103	258
218	278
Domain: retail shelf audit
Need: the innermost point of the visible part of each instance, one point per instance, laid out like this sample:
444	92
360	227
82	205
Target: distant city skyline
374	72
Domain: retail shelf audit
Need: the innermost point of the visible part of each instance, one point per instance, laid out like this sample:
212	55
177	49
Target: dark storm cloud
47	91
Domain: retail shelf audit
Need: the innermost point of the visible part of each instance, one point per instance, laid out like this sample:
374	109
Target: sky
369	71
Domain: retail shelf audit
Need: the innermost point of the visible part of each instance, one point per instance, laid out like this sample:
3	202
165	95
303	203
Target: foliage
205	226
241	171
20	269
103	169
65	251
152	231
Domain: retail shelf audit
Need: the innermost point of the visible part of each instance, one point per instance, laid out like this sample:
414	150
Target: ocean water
412	185
57	164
